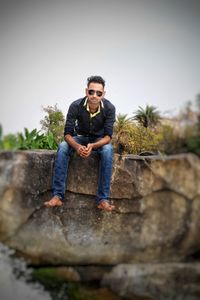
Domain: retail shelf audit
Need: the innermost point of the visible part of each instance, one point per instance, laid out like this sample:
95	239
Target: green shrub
1	137
9	142
171	142
54	122
193	144
136	138
185	141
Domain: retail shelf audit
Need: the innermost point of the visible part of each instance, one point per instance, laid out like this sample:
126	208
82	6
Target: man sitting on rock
89	126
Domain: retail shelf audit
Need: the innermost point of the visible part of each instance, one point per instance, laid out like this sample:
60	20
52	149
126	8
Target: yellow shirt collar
92	115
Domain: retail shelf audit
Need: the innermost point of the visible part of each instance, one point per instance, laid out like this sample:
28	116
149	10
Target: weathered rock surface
169	281
157	217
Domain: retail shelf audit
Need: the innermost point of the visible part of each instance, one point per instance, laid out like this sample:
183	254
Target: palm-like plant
121	122
120	130
147	117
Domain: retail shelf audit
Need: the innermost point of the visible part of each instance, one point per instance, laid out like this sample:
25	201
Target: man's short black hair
95	79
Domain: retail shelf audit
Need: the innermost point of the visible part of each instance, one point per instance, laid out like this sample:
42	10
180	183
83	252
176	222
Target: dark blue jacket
79	122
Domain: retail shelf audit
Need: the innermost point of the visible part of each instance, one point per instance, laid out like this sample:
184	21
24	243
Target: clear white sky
148	51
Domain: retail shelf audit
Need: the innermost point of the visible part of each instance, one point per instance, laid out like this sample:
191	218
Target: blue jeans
61	168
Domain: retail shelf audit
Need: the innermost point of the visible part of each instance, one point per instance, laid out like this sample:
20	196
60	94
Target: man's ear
86	91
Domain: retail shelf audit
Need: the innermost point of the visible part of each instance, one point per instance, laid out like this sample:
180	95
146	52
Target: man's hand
84	151
80	150
89	149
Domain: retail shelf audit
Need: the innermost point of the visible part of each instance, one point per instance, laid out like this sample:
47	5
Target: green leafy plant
29	140
49	141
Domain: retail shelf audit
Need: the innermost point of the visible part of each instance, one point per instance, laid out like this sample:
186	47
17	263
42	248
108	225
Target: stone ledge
157	217
171	281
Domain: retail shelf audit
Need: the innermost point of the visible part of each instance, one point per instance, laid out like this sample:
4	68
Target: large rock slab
169	281
157	216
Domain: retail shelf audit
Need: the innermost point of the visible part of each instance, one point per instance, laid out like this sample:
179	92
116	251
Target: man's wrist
77	148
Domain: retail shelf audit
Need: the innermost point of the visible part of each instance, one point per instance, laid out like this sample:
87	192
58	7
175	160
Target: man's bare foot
55	201
106	206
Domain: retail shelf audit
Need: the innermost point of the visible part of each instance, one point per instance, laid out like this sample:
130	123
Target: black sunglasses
92	92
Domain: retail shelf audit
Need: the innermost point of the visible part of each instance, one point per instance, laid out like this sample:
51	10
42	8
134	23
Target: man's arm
109	121
69	128
103	141
72	115
71	141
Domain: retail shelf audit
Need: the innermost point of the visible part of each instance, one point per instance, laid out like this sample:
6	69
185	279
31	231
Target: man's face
95	93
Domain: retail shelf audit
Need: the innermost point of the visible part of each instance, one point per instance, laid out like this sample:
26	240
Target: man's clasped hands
85	151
